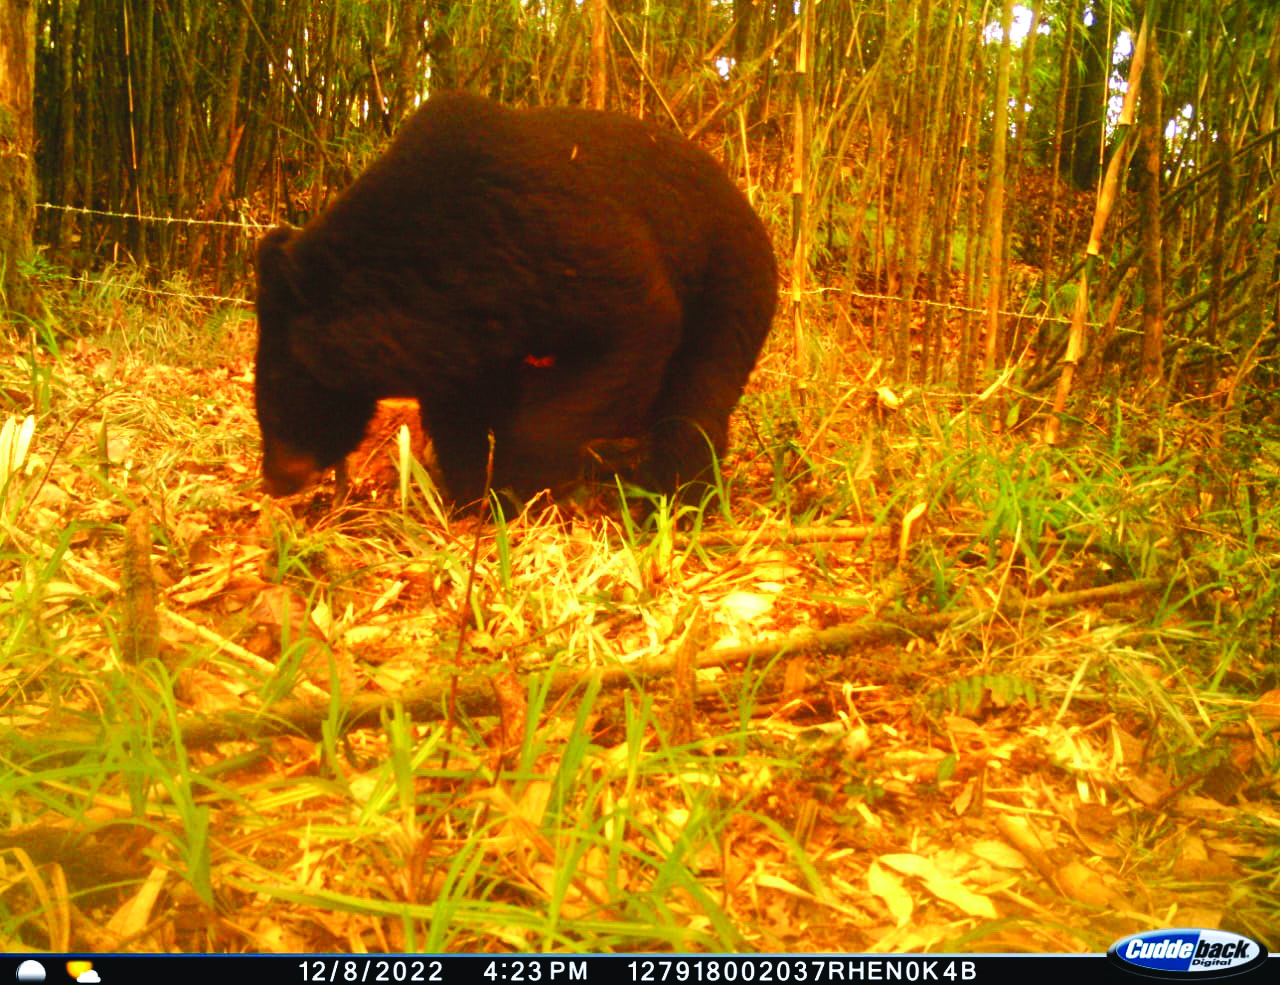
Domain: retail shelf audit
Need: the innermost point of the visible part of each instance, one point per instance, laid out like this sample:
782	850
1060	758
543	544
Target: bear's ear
276	272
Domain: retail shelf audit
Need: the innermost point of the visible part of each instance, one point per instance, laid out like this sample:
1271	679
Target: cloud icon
89	977
30	971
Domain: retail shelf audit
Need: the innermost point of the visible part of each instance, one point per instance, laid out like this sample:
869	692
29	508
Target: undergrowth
908	681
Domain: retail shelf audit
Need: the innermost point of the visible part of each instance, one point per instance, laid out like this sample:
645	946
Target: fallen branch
476	697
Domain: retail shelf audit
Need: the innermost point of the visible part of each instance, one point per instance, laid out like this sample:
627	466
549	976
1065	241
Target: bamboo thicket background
995	183
911	680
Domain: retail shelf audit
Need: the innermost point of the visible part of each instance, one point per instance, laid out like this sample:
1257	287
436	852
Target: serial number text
813	970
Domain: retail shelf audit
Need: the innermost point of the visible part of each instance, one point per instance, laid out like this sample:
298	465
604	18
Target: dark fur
616	254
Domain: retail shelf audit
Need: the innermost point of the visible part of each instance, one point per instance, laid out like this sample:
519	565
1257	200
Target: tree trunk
802	114
1151	142
1083	140
63	177
407	81
1093	252
943	145
17	179
967	362
599	74
993	221
1048	256
444	65
742	10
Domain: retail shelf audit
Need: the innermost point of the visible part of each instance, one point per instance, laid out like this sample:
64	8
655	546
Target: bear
590	288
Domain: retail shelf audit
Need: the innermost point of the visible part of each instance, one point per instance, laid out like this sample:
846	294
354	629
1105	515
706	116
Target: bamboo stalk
1106	202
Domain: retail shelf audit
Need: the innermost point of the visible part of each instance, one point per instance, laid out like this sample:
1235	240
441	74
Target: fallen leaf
892	891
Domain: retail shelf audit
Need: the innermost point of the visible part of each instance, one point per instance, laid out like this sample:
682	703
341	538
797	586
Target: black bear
567	279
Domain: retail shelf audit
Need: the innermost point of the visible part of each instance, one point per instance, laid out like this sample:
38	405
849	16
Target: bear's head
306	426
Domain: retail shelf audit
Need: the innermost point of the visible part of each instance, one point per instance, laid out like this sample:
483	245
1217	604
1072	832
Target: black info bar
572	969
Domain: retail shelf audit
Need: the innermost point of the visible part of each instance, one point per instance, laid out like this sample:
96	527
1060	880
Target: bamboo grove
1084	189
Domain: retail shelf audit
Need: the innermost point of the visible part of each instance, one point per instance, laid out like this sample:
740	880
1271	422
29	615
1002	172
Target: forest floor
917	682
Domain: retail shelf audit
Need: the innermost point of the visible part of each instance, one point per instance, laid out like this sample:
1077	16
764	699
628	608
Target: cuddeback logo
1187	953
